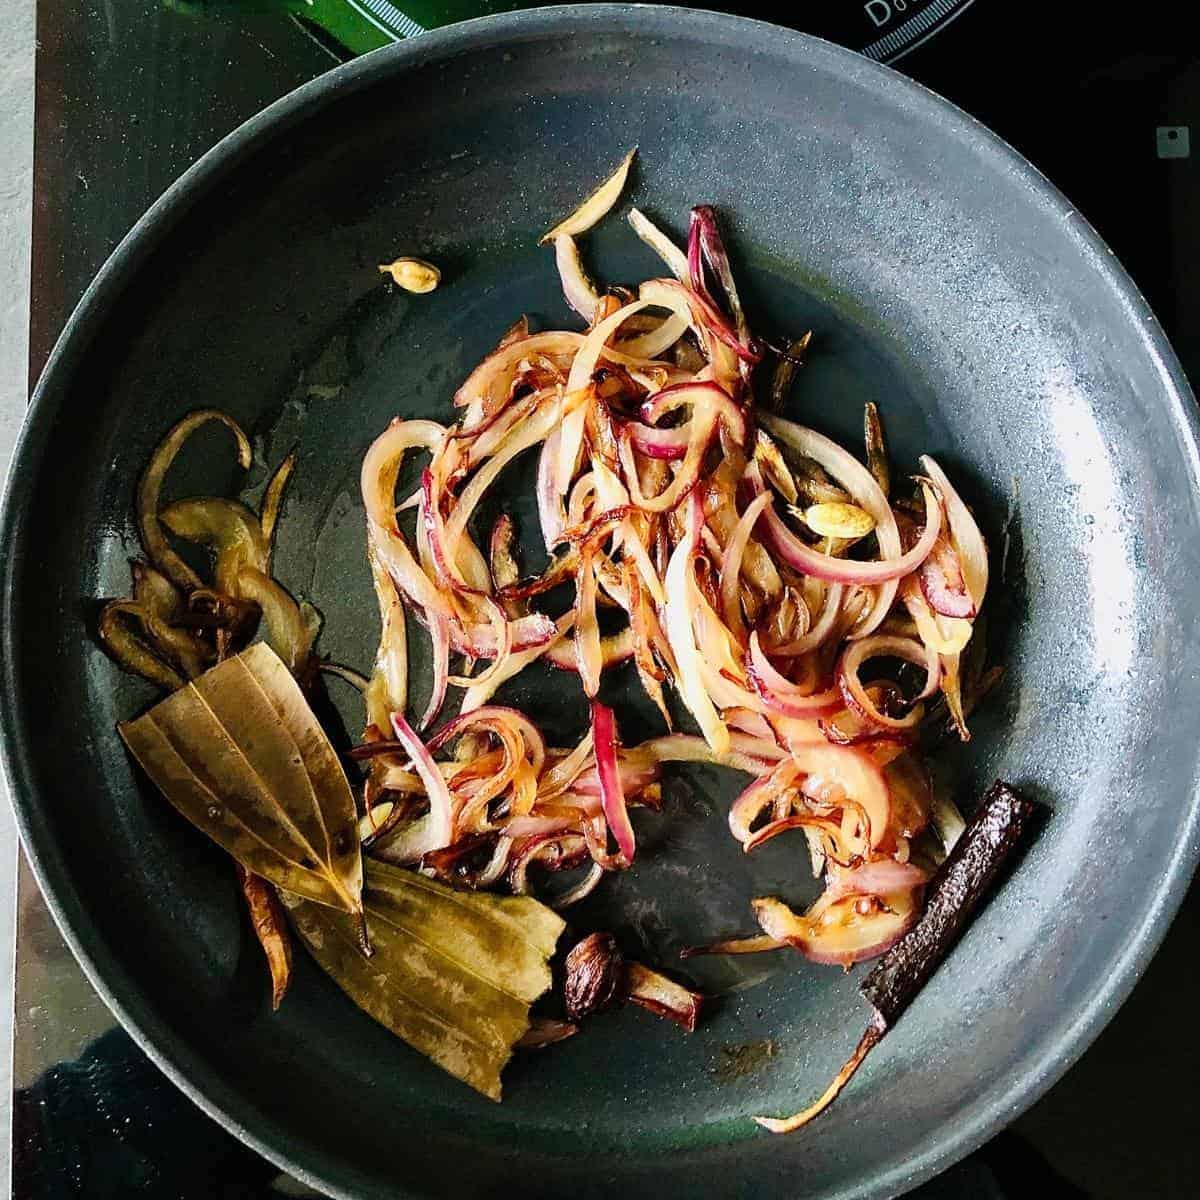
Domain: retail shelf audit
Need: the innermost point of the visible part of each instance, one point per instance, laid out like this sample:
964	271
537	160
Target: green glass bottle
356	26
881	29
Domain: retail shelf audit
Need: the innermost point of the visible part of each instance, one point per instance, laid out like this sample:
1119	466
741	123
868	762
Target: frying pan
943	278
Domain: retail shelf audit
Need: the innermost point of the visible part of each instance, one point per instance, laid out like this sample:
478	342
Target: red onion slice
706	395
884	646
942	581
612	796
802	557
439	827
968	541
535	744
381	465
731	565
846	771
439	634
662	245
682	594
783	696
597	205
834	932
852	476
703	426
668	444
577	287
877	878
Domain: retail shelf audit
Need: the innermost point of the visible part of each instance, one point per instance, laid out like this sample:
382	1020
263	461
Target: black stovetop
130	93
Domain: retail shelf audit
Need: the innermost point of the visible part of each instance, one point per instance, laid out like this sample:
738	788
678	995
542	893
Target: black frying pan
943	277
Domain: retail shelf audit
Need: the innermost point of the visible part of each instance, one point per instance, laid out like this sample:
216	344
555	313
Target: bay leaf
453	973
240	754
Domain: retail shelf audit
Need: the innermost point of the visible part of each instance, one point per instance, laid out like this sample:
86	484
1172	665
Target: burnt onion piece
959	885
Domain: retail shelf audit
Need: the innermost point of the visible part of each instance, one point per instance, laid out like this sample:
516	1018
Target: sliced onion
438	829
615	648
646	634
783	696
588	655
131	652
272	499
555	852
662	996
577	288
876	878
681	594
559	777
760	795
802	557
912	794
827	834
653	342
382	462
706	395
942	635
821	631
731	567
532	826
439	634
612	795
942	581
884	646
747	720
154	541
504	642
752	755
589	534
570	432
833	932
863	490
585	887
228	528
669	444
517	661
711	247
705	316
597	205
703	427
388	690
833	772
774	469
744	945
288	632
489	383
662	245
532	431
635	772
968	541
549	499
491	717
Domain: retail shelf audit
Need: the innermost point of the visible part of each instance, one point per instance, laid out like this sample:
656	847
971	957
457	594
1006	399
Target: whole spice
961	882
595	968
412	274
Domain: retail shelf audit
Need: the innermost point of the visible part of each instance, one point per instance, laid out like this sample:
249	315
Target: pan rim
188	1070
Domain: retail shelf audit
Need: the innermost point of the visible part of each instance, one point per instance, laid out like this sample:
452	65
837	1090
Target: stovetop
130	93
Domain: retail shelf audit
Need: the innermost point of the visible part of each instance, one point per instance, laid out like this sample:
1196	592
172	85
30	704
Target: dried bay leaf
453	973
240	754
